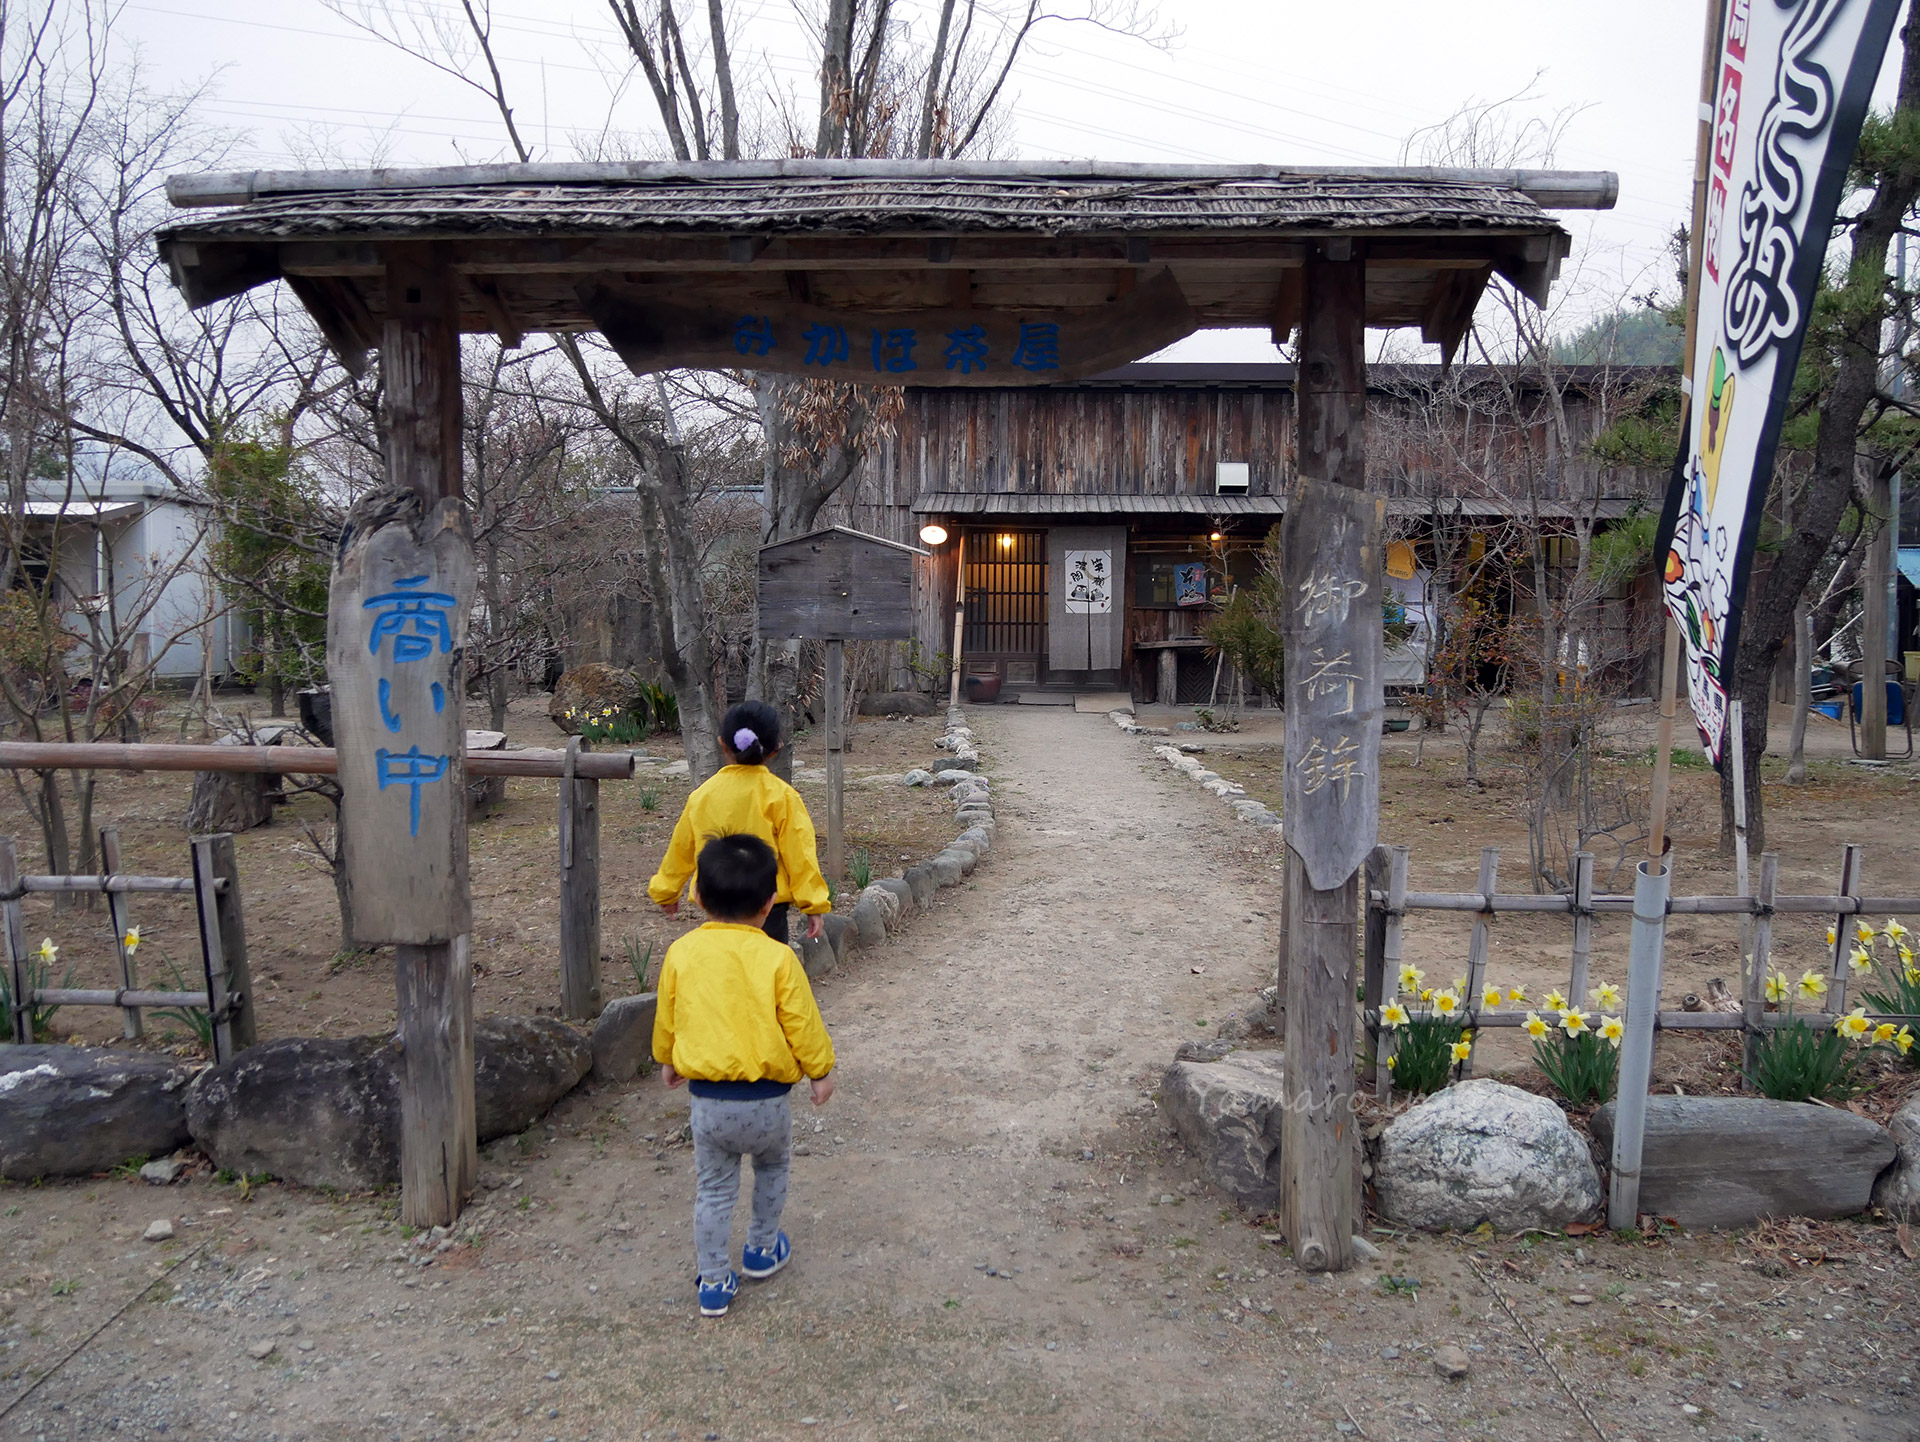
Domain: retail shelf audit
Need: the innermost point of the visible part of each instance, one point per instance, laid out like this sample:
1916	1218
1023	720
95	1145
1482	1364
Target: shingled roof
668	259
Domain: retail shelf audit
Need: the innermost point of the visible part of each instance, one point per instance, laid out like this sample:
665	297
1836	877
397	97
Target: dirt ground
994	1235
306	985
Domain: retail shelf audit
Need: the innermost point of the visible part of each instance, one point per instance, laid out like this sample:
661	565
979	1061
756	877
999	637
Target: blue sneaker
714	1296
758	1263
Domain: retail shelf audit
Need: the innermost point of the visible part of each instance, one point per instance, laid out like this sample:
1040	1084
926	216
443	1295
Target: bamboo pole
959	615
120	919
1636	1048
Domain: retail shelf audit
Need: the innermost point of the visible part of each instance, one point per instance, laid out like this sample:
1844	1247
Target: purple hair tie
743	738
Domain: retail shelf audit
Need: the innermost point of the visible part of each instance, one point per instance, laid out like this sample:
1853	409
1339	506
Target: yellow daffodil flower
1392	1062
1883	1032
1913	973
1462	1050
1813	986
1410	977
1906	953
1604	995
1861	963
1854	1024
1776	988
1459	987
1833	937
1611	1029
1863	933
1573	1022
1904	1039
1536	1027
1893	931
48	951
1445	1003
1426	993
1393	1014
131	940
1491	997
1516	993
1555	1001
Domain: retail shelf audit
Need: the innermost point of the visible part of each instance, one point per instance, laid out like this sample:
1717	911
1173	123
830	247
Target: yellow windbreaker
735	1006
751	801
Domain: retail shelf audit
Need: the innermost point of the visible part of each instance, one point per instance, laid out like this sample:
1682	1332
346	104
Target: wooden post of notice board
837	585
397	613
1333	565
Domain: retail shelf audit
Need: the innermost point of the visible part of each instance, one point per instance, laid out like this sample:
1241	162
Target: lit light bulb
934	535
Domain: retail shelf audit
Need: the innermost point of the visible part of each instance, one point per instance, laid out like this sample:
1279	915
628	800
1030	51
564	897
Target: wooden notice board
837	584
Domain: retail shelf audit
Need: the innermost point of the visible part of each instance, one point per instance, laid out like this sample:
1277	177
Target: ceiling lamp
934	535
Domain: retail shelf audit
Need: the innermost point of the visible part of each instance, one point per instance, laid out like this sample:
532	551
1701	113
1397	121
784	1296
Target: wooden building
1166	478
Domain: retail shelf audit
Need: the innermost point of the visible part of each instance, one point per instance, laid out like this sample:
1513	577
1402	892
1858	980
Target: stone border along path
1254	813
885	905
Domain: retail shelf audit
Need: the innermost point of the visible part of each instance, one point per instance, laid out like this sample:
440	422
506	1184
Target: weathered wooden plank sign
964	347
397	614
1332	563
837	584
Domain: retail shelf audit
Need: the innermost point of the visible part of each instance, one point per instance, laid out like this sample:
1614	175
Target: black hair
759	718
738	875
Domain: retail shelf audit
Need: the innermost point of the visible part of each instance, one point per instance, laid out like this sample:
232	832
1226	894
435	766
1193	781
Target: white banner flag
1795	77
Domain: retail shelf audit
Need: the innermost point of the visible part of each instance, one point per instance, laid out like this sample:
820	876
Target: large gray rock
1228	1114
902	893
920	882
869	921
964	854
1897	1193
623	1038
326	1113
67	1111
977	835
321	1112
896	703
817	956
522	1065
839	934
1729	1161
946	869
1482	1151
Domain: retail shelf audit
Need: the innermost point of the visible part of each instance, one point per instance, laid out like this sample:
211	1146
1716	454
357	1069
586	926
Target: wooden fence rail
578	769
215	886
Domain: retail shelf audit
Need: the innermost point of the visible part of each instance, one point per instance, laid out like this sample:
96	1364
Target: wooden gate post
1333	700
223	944
836	703
579	888
396	638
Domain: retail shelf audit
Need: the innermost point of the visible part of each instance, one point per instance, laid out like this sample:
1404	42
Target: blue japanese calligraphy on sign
754	335
425	611
893	349
1039	347
967	349
826	344
410	769
397	620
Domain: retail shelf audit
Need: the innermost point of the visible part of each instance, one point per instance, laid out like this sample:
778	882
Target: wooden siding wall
1165	441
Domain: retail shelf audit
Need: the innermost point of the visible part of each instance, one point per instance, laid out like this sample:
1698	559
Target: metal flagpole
1696	240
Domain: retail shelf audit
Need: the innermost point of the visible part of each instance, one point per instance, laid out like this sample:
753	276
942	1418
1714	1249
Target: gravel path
994	1237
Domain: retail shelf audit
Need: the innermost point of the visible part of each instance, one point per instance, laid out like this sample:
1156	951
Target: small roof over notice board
890	272
837	584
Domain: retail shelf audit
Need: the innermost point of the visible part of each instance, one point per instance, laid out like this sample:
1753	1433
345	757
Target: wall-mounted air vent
1230	478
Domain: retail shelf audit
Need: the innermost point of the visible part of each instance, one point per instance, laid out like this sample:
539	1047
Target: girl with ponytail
744	798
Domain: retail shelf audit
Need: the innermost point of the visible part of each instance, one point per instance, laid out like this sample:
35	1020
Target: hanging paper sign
973	347
1330	555
1795	77
1190	584
397	611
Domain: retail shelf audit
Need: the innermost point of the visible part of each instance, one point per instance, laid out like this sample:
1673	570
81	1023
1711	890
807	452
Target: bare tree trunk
1802	690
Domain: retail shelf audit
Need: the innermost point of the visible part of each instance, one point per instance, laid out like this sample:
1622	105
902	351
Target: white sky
1271	81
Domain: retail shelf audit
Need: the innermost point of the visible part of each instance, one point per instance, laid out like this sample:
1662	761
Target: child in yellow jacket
737	1022
743	798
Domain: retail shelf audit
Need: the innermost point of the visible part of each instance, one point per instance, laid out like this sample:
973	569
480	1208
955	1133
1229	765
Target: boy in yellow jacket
737	1021
744	798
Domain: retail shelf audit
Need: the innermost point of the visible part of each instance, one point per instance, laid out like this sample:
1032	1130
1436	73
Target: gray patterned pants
723	1132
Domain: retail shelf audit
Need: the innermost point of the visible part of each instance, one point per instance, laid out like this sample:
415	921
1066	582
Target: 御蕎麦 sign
1793	82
